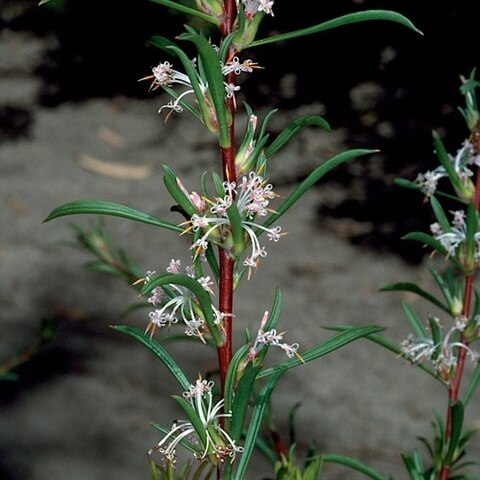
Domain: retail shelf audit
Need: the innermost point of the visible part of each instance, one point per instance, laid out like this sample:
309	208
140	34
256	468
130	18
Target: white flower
180	304
163	75
252	197
217	442
271	337
465	157
254	6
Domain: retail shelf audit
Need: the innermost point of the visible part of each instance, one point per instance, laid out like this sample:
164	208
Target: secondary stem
454	388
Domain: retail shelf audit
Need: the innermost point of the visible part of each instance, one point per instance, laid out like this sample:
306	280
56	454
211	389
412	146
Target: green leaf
102	207
214	77
171	183
456	432
313	178
471	228
445	161
444	287
432	243
275	310
193	417
472	386
414	322
255	424
230	380
354	464
348	19
242	399
440	214
184	9
412	287
413	473
313	470
436	336
195	287
158	351
323	348
296	127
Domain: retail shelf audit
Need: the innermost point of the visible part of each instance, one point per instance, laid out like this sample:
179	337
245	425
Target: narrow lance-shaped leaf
195	287
255	424
472	386
430	241
102	207
444	288
242	399
213	72
313	178
456	432
293	129
323	348
412	287
172	184
440	214
414	322
352	463
193	417
348	19
158	351
230	380
180	7
471	231
445	161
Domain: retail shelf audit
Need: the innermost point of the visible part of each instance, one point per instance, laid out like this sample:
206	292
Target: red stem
226	262
454	387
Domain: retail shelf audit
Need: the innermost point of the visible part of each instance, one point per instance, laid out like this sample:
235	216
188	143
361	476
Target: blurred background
75	123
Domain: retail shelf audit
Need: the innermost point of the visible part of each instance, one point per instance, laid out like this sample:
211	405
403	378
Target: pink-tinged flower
163	75
443	355
252	7
272	338
180	304
218	443
252	197
461	161
235	66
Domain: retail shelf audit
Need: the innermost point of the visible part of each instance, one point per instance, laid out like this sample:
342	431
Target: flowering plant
223	220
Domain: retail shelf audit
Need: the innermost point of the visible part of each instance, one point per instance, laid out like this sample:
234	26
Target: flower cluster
456	236
164	75
464	158
213	441
179	303
252	7
271	337
442	355
252	196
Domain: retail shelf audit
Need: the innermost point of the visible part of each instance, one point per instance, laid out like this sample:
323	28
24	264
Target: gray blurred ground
89	418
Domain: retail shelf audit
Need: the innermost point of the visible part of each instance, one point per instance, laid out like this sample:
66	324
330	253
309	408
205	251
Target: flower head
271	337
252	196
213	441
180	304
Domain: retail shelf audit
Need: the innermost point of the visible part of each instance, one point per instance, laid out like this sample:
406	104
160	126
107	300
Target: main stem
454	387
226	261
